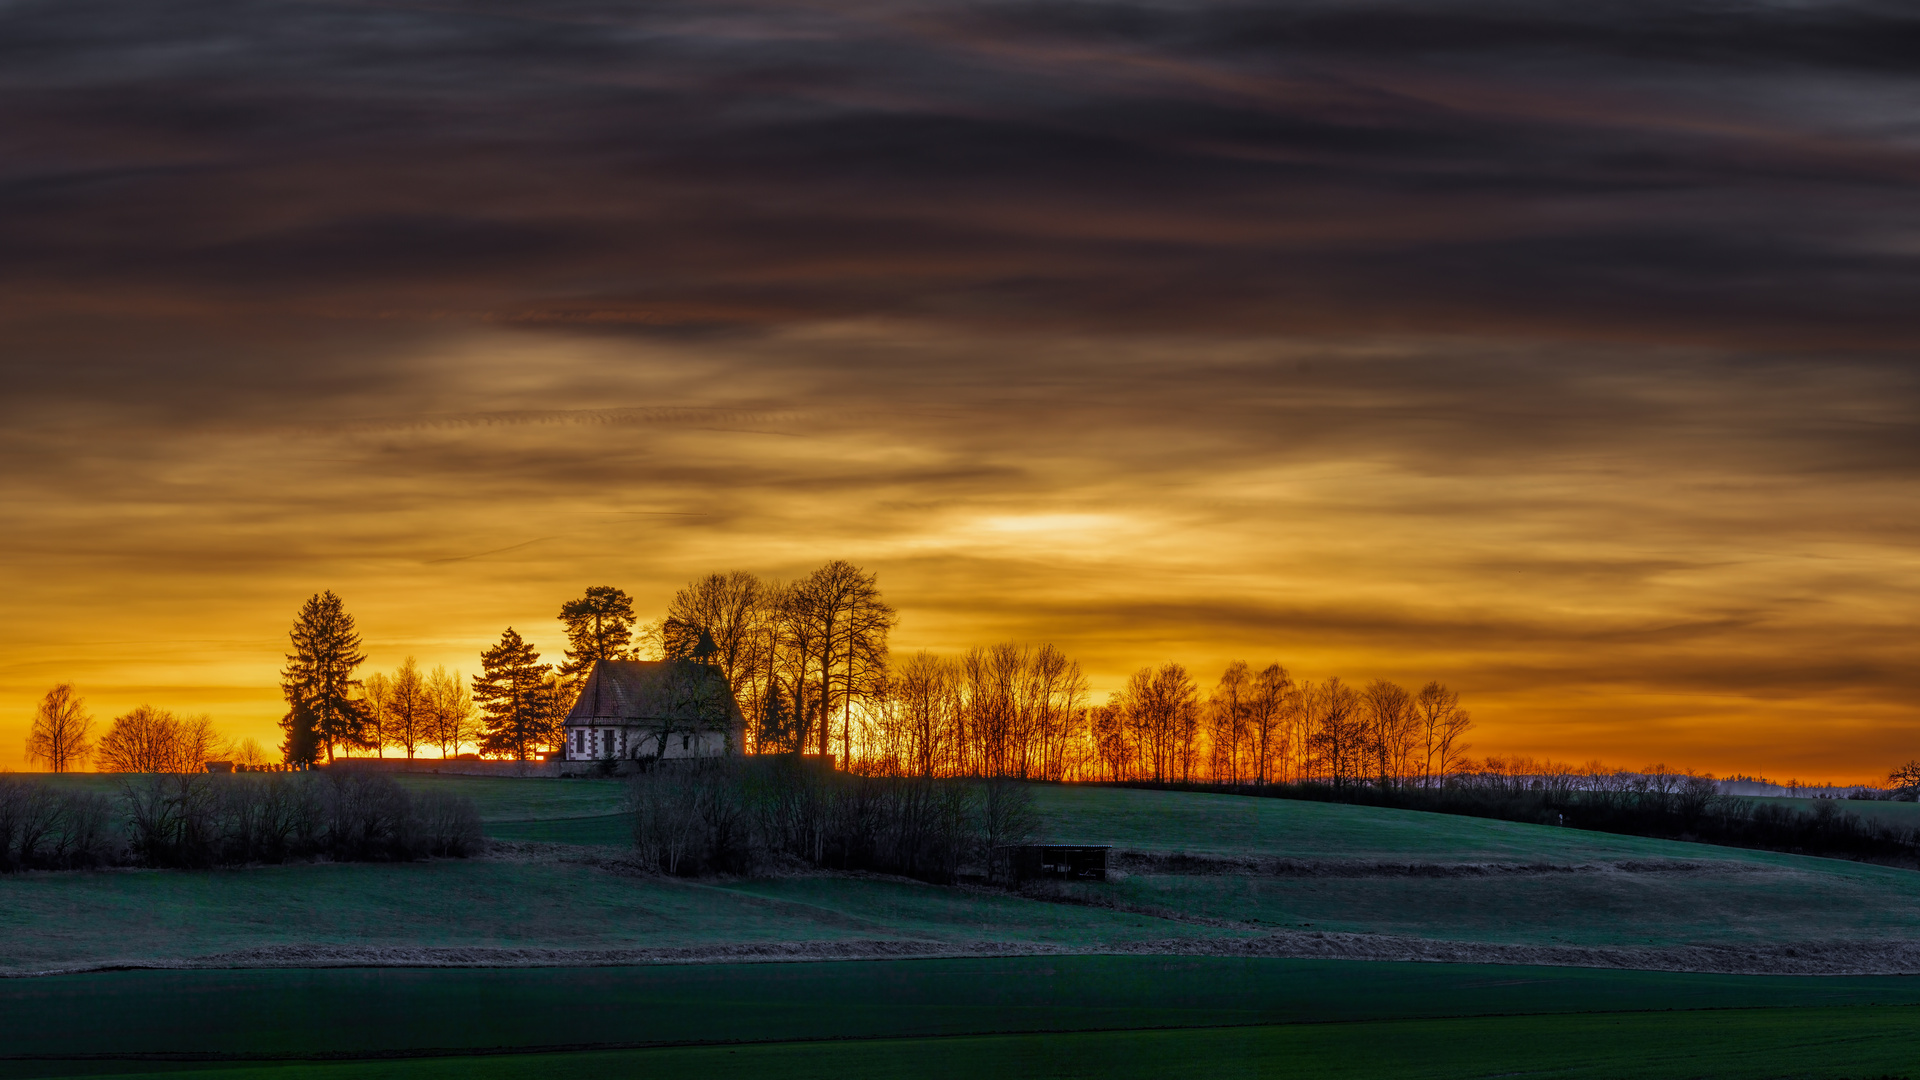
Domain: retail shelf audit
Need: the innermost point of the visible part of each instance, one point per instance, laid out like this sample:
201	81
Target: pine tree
302	744
516	698
318	681
599	627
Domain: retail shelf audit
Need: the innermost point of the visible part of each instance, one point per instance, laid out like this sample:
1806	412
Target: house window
685	741
579	740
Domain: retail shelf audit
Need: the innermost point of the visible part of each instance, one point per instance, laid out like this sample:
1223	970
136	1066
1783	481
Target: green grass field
1838	1044
1905	815
50	921
1065	1016
1056	1015
1730	896
1286	828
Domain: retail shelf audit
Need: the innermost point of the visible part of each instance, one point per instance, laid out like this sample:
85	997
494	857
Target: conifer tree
599	627
516	698
318	681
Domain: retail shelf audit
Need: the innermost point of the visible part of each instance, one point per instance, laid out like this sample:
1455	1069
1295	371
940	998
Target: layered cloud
1564	354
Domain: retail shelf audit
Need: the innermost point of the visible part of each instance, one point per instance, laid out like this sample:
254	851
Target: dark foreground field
1061	1016
1227	947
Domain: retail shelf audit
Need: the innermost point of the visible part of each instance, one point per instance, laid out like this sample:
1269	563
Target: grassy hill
1126	979
1245	868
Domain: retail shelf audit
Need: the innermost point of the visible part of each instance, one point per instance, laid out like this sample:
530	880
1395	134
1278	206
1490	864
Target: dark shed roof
643	690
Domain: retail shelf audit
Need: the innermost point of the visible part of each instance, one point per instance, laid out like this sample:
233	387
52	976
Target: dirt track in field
1805	958
1180	864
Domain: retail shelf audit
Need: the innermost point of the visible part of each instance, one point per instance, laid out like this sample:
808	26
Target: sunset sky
1565	353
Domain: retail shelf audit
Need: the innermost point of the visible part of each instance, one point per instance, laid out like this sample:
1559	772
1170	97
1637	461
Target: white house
630	708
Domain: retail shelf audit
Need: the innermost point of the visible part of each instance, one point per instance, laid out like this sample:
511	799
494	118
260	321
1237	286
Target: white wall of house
590	743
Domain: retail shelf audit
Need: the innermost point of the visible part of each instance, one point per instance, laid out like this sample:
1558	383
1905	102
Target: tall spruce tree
516	698
318	681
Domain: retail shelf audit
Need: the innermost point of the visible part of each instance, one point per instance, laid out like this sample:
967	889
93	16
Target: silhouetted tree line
330	710
1259	727
805	658
1656	802
204	820
739	815
808	662
144	739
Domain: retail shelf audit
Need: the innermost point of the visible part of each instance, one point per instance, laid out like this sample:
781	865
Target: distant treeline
809	663
746	814
206	819
1657	803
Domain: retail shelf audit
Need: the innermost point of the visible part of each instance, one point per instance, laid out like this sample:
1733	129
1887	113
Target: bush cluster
44	828
1670	806
718	816
202	820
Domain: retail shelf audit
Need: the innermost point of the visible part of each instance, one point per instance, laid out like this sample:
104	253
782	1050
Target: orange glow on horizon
1633	604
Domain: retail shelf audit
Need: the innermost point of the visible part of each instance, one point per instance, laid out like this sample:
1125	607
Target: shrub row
734	816
1670	808
201	819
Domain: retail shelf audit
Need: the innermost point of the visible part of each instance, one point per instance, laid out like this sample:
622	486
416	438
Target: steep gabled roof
638	691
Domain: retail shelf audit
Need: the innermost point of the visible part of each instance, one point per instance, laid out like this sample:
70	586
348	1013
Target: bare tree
1113	737
409	712
1390	728
1008	709
376	696
1450	750
649	641
1181	695
1162	714
1434	707
846	624
1227	720
58	737
789	713
1907	777
142	741
150	740
1053	694
1337	738
249	753
730	607
987	675
926	714
199	743
1271	702
450	712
